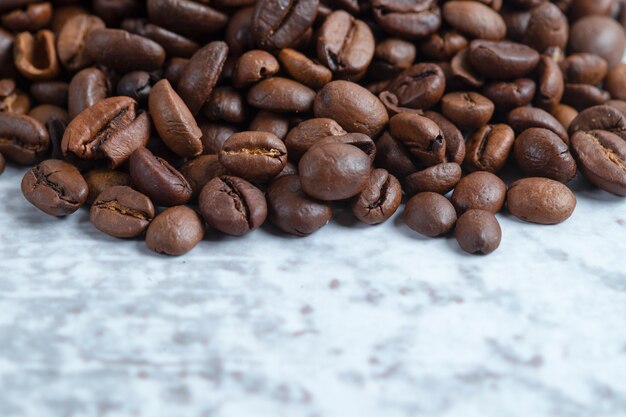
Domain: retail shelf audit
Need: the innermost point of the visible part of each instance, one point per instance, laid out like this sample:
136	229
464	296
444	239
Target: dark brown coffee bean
601	157
36	56
391	56
50	92
33	18
232	205
253	66
391	103
489	148
598	35
581	96
303	69
455	143
120	211
615	82
439	178
201	74
508	95
173	43
14	101
100	180
600	118
541	153
430	214
55	187
173	70
294	212
214	135
564	114
502	59
540	200
186	17
72	40
421	136
523	118
88	87
136	85
361	141
255	156
550	83
442	46
334	172
306	134
278	24
270	122
201	170
156	178
380	198
547	27
462	70
478	231
44	112
345	45
111	130
123	51
474	19
479	190
175	231
584	68
281	95
582	8
113	11
238	33
467	110
22	139
7	63
392	155
420	86
3	163
226	104
411	19
352	106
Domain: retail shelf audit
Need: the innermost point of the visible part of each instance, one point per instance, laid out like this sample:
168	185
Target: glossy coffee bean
50	92
615	82
359	140
380	198
508	95
391	57
226	104
462	71
214	135
88	87
175	231
467	110
294	212
278	24
541	153
304	70
581	96
564	114
253	66
478	231
489	147
392	155
136	85
200	170
72	41
439	179
547	27
113	11
173	70
430	214
502	59
281	95
124	51
598	35
122	212
455	142
265	121
584	68
540	200
606	118
407	19
238	33
550	83
100	180
159	180
186	17
306	134
232	205
36	56
55	187
3	163
474	19
479	190
173	43
523	118
255	156
44	112
420	86
421	136
7	63
33	18
23	139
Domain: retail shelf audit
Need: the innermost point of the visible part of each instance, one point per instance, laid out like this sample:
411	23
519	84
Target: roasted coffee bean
584	68
22	139
173	70
502	59
523	118
430	214
442	46
232	205
618	104
294	212
489	148
55	187
421	136
7	67
615	82
156	178
411	19
541	153
123	51
201	170
581	96
33	18
361	141
467	110
391	103
508	95
462	70
136	85
281	95
253	66
478	231
2	163
547	27
175	231
113	11
35	56
420	86
72	41
225	104
100	180
439	178
120	211
255	156
601	157
303	69
598	35
306	134
110	130
582	8
278	24
334	172
391	56
352	106
394	157
44	112
479	190
238	33
214	135
550	84
50	92
564	114
270	122
380	198
173	43
201	74
13	100
88	87
455	143
173	121
186	17
540	200
600	118
474	19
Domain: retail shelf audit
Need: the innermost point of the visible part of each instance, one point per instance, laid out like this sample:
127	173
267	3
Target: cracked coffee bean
380	198
122	212
254	156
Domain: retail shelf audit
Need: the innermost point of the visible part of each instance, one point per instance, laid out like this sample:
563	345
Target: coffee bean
214	135
123	51
582	8
55	187
7	67
474	19
334	171
600	118
421	136
467	110
455	143
303	69
547	27
598	35
265	121
175	231
238	33
541	153
439	178
306	134
489	147
508	95
407	19
186	17
122	212
136	85
550	83
99	180
2	163
31	19
109	130
36	56
201	170
43	113
352	106
420	86
232	205
72	41
584	68
581	96
430	214
478	231
253	66
278	24
50	92
617	104
22	139
392	155
442	46
540	200
564	114
12	100
255	156
615	82
523	118
391	56
159	180
502	59
112	12
380	198
479	190
281	95
87	87
601	156
225	104
173	43
173	70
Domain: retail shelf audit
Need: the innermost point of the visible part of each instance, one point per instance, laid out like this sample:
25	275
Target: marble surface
352	321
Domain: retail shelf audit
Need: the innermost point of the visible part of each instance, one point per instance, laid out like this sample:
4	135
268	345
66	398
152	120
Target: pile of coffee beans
168	116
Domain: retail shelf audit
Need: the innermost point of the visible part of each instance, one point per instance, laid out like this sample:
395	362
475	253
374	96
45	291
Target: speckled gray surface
352	321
